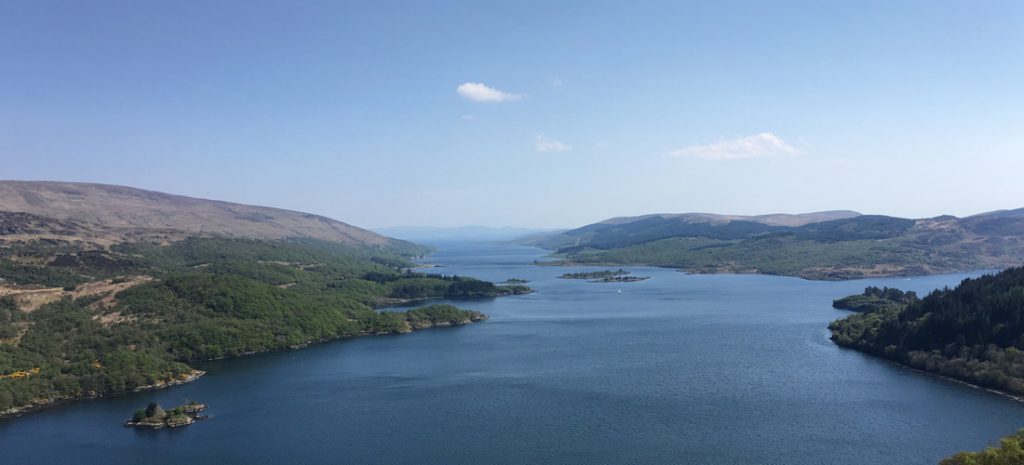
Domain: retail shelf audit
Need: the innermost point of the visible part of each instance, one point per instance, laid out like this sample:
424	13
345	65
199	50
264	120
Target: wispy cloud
468	117
546	144
556	82
760	145
204	86
479	92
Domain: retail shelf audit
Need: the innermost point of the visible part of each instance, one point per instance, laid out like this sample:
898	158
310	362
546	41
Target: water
677	369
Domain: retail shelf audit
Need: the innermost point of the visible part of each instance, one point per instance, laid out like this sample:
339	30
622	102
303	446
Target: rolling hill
107	214
826	245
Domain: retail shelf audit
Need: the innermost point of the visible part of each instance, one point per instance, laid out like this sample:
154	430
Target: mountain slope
121	212
810	246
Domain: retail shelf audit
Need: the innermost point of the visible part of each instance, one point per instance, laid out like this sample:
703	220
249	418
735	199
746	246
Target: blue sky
536	114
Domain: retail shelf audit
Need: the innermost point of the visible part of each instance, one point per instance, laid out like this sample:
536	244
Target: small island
605	276
515	281
155	417
620	279
595	274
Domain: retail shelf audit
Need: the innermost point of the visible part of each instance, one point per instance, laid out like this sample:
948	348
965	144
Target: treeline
874	299
1009	452
974	332
595	274
212	298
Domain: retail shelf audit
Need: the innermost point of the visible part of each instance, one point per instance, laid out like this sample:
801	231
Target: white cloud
556	82
760	145
469	117
545	144
479	92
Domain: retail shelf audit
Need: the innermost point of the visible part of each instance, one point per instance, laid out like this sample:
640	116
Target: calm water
676	369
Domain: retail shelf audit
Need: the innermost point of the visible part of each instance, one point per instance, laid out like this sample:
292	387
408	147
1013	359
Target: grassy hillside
854	247
107	214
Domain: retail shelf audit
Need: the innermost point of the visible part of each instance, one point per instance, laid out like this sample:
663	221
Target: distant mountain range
822	245
107	214
473	233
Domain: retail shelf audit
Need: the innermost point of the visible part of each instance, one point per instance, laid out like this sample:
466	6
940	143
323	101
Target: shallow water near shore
701	369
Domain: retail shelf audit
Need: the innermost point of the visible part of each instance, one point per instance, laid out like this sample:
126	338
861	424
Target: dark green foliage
974	332
871	227
595	274
444	315
1009	452
214	298
423	286
9	315
153	410
875	299
17	273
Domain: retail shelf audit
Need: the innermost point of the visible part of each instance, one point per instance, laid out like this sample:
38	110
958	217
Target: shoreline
53	402
806	277
1006	394
15	412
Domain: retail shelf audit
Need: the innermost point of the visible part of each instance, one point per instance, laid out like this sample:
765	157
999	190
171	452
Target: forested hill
103	298
974	332
826	245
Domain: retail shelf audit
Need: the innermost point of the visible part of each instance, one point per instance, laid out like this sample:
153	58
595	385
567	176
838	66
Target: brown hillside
125	209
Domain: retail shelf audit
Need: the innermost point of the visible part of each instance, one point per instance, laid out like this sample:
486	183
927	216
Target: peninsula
109	289
972	333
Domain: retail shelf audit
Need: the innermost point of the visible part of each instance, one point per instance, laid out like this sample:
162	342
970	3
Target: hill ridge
120	210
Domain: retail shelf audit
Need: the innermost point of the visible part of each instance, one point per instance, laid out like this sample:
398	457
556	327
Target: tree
154	410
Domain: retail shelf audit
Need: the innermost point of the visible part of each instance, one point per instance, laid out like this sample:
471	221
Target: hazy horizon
533	115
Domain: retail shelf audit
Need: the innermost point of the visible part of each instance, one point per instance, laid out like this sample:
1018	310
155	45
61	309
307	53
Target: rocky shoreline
154	417
41	404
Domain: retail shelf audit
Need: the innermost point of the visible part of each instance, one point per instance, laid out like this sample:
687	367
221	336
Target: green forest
974	332
209	298
1009	452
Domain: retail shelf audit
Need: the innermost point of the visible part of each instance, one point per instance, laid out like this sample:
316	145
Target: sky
532	114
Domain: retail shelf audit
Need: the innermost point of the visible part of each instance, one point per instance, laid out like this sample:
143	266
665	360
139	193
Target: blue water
719	369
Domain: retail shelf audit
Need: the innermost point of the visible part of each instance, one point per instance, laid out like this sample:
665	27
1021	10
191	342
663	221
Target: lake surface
720	369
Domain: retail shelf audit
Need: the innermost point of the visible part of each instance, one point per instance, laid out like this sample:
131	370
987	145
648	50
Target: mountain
774	219
826	245
108	214
462	233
